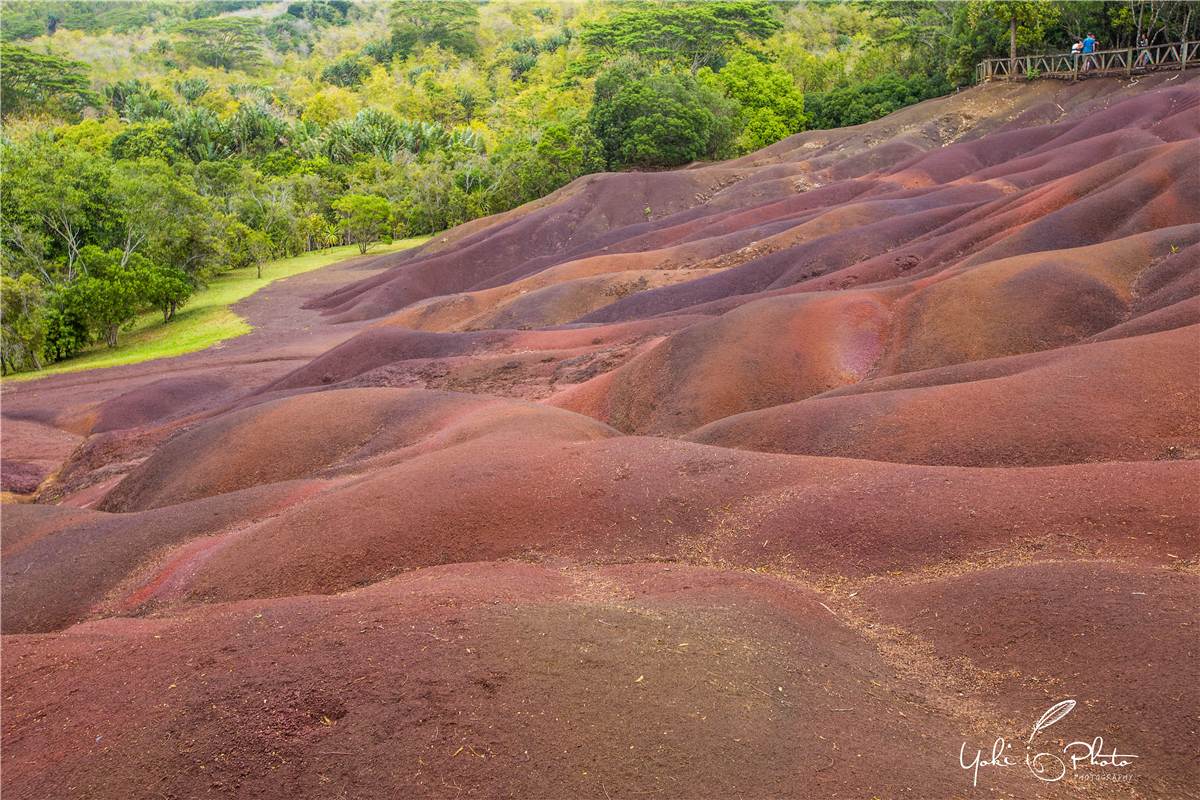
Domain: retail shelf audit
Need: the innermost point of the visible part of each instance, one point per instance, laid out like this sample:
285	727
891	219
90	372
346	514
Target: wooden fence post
1129	63
1183	54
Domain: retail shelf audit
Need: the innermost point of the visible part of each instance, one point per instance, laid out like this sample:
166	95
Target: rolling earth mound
862	466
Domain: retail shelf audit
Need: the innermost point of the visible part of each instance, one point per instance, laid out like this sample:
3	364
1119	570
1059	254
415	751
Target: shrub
659	120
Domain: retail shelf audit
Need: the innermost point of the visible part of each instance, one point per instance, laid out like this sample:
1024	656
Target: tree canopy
693	35
226	42
1031	16
449	23
772	108
31	81
364	220
659	120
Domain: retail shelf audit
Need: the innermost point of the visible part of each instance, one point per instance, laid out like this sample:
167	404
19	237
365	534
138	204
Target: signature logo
1047	766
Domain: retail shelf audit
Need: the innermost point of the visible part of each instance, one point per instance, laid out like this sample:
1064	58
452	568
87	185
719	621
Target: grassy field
206	319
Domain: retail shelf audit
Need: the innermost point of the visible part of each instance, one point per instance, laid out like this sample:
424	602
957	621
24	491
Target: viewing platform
1127	61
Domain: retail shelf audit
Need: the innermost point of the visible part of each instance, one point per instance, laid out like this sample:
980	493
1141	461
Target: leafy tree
119	93
269	208
529	170
167	289
344	72
920	22
252	129
23	250
92	135
365	220
114	289
243	246
452	24
562	155
192	89
1120	24
1168	21
227	42
287	34
201	135
61	192
66	324
934	34
522	63
318	233
330	104
691	35
159	212
23	26
772	106
221	182
147	140
854	105
1031	16
258	247
279	163
22	323
380	50
659	120
320	12
32	82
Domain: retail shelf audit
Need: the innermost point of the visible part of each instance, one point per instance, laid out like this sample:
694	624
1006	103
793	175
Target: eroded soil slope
832	475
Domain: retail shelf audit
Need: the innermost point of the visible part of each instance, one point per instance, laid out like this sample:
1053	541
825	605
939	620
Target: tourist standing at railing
1089	46
1076	49
1144	59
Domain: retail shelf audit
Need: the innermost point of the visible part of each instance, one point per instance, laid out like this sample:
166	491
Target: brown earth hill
825	472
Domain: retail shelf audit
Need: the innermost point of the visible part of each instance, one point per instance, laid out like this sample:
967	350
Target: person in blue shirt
1144	59
1089	47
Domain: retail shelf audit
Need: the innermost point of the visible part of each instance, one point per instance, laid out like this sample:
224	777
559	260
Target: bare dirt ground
864	466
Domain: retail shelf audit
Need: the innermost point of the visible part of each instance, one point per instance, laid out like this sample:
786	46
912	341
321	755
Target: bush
112	293
345	72
659	120
772	106
863	102
67	330
146	140
365	220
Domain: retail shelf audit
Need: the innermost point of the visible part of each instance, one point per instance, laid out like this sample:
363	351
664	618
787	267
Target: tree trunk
1012	48
110	333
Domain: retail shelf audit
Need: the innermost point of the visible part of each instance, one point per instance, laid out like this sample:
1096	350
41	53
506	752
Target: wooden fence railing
1127	61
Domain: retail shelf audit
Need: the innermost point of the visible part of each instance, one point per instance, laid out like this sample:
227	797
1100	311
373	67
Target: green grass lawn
206	318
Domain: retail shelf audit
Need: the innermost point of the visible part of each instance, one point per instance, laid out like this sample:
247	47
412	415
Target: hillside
807	474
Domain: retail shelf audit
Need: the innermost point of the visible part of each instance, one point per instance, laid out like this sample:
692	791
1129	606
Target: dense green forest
148	146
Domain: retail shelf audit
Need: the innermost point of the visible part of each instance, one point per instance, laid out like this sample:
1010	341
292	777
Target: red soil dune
1112	400
828	475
